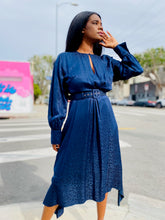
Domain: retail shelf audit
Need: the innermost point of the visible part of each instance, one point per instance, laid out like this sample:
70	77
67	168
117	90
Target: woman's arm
128	67
57	107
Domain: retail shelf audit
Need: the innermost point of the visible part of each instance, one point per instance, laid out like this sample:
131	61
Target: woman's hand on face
56	147
108	40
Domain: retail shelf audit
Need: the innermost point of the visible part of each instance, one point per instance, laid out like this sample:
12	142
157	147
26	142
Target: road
27	159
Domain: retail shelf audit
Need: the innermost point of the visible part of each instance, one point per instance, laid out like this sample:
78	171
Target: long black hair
75	35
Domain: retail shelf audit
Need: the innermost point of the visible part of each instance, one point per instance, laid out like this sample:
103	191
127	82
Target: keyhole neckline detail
89	54
91	64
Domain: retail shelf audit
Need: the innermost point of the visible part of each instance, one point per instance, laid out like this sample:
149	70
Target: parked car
113	101
146	102
160	103
126	102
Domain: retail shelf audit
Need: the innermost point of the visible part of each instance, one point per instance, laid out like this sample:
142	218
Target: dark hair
75	35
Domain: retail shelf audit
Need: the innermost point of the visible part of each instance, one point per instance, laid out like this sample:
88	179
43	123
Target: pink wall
16	86
15	76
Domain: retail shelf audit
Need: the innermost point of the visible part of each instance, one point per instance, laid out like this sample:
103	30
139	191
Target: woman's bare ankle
48	212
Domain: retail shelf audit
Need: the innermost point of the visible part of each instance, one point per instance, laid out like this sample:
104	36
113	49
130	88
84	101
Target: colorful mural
16	87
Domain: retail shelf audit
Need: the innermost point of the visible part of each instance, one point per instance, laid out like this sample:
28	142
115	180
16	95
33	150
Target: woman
88	163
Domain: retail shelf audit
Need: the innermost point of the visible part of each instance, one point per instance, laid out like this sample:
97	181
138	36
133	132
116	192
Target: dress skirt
88	163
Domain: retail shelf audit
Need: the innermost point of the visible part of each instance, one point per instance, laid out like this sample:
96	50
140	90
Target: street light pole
57	5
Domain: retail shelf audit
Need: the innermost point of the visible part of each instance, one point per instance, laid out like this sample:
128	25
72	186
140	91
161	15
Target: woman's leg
101	206
48	212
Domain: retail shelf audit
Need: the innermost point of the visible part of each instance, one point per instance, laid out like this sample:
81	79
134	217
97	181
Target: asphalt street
27	158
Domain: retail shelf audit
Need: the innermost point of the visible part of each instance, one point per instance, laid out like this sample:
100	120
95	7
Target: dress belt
93	93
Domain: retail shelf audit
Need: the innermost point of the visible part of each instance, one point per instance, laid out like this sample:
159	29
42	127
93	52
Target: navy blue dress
88	163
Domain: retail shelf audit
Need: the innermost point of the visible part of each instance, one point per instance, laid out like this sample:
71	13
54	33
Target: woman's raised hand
56	147
108	40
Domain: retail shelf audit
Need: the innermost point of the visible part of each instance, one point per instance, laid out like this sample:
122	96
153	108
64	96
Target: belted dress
88	163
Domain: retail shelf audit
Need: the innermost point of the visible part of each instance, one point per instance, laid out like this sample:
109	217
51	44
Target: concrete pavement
139	208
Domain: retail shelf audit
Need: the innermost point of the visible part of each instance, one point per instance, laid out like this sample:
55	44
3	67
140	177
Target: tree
42	67
153	63
37	91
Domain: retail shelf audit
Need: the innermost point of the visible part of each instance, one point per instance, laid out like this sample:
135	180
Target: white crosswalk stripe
22	155
24	129
14	156
131	113
22	124
24	138
158	112
139	112
124	144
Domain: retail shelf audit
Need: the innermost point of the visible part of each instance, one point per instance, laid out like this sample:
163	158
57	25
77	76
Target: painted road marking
140	112
151	111
130	113
19	120
24	129
25	138
14	156
22	124
124	144
41	137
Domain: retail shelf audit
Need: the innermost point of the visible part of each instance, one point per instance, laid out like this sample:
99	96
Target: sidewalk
39	111
139	208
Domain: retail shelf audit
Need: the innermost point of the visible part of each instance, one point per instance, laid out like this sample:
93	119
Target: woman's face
93	29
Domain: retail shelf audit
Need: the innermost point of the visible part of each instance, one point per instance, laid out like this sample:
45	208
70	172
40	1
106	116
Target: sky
28	27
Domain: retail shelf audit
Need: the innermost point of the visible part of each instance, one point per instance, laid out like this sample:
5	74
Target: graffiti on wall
16	87
5	102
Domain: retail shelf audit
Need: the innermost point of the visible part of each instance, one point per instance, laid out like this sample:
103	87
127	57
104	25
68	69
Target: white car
160	103
126	102
113	101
